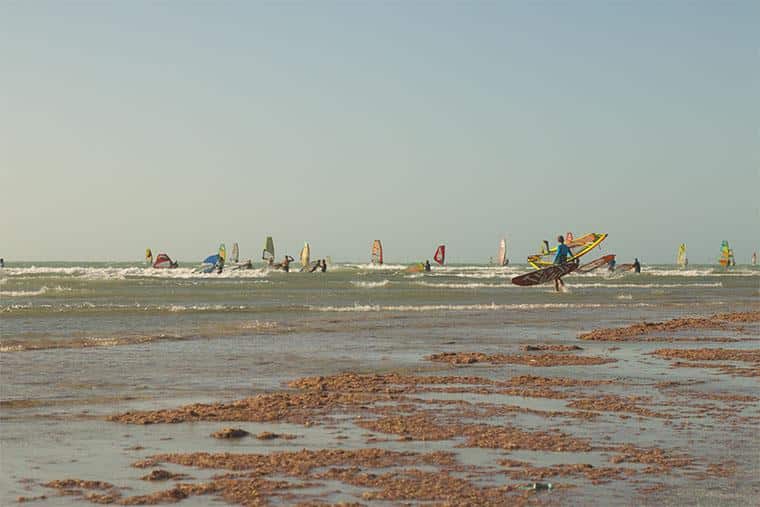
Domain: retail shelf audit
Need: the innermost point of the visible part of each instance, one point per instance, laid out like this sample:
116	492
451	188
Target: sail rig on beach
681	259
501	256
235	257
376	255
440	254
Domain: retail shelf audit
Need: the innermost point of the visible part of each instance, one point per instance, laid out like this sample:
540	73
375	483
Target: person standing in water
323	268
636	265
286	263
2	262
563	252
427	265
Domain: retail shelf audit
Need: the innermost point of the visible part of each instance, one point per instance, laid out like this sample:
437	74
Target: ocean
80	341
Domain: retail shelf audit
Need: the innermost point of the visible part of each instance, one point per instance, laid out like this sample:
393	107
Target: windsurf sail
580	246
164	261
681	257
305	253
222	252
501	257
440	254
148	256
235	253
377	252
211	259
726	255
268	249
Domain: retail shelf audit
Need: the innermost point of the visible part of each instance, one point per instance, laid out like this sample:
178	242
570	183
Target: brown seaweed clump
160	474
596	475
718	321
752	356
658	460
612	403
459	358
230	433
296	408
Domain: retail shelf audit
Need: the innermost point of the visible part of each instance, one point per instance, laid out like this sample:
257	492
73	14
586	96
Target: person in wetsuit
323	267
285	265
427	265
636	265
563	252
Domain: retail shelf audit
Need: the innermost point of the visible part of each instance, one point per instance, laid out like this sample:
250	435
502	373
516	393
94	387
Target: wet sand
620	420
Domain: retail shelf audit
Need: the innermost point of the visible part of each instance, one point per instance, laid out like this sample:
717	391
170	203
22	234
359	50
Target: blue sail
211	259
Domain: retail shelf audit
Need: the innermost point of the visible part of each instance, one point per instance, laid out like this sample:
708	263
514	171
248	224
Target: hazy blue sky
177	125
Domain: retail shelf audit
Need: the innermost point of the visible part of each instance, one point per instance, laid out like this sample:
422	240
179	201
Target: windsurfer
285	264
2	263
636	265
611	265
323	268
427	265
562	253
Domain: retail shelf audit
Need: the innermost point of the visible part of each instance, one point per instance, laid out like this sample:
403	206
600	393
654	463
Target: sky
179	125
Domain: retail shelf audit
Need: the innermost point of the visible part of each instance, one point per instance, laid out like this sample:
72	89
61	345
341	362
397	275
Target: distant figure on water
2	262
285	264
636	265
563	252
611	265
427	265
317	265
324	266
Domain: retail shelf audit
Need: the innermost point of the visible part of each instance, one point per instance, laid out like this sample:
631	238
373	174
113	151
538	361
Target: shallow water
95	339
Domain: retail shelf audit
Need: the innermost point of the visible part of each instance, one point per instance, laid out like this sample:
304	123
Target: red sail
440	254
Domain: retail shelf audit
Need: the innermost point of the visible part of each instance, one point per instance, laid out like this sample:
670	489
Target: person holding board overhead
563	252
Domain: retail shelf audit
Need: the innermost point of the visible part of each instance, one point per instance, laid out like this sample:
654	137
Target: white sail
501	257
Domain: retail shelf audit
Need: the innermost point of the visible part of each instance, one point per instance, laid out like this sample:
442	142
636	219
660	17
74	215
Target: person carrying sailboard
563	252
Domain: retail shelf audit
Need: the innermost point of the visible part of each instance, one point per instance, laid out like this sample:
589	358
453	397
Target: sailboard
163	261
305	254
726	255
681	257
581	245
596	264
440	255
501	256
621	268
377	252
268	253
235	257
148	256
547	274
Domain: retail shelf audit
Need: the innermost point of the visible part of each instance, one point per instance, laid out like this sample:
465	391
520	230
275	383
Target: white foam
645	285
369	285
473	285
465	308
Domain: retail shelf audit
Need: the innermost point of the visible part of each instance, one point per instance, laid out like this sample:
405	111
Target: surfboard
544	275
596	263
623	267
